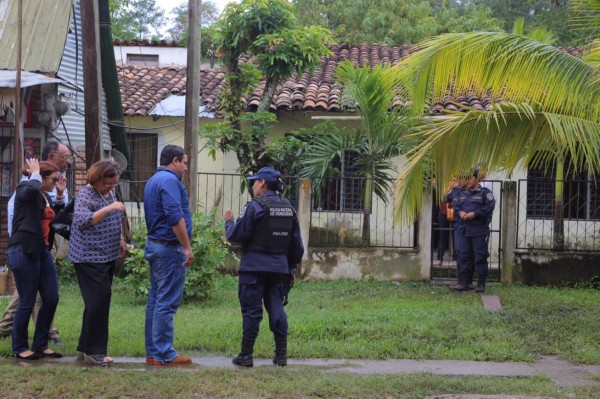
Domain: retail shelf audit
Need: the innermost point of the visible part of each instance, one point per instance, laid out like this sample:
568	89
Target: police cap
266	174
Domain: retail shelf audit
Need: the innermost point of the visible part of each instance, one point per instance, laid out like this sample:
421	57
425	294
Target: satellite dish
119	158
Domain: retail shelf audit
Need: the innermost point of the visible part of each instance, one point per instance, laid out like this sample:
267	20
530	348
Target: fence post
424	234
303	211
509	230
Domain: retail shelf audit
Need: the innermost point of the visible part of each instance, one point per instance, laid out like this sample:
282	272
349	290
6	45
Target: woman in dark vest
30	260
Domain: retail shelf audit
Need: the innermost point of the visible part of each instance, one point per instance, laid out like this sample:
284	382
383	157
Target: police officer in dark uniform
474	207
453	198
269	233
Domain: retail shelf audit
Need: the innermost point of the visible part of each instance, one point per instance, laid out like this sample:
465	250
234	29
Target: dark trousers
33	273
257	288
474	256
444	230
95	283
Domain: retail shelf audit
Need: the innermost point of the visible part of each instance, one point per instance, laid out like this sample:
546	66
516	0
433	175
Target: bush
209	248
65	271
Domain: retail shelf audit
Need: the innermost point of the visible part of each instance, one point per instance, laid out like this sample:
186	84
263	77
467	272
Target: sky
168	5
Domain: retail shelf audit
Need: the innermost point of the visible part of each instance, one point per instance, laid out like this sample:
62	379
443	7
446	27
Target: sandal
51	354
100	360
32	356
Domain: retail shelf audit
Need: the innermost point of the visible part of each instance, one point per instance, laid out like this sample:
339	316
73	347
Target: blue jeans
167	280
33	273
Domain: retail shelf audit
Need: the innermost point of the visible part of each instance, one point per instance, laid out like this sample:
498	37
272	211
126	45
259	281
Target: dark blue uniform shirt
480	201
241	232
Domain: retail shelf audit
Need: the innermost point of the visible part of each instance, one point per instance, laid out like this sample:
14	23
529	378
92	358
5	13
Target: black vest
273	233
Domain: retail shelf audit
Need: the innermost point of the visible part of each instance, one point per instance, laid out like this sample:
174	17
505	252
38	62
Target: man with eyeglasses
60	155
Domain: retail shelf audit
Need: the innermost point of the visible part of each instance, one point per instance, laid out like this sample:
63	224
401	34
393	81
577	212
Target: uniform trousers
95	283
256	289
474	255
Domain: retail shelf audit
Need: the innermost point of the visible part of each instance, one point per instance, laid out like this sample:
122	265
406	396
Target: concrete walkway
561	372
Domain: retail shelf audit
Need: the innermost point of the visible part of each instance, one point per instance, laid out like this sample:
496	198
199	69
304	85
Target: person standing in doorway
475	210
169	252
269	232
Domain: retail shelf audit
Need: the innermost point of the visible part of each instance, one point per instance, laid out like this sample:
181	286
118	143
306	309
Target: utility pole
17	162
91	81
192	100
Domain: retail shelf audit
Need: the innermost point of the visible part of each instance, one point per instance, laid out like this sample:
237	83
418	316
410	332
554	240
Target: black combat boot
462	283
244	358
280	358
480	284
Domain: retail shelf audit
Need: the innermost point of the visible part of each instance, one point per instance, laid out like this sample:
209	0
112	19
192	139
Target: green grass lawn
370	320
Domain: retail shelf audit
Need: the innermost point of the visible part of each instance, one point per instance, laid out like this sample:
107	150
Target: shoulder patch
243	211
489	196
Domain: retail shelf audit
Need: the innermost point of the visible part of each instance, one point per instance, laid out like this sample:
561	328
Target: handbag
62	222
450	214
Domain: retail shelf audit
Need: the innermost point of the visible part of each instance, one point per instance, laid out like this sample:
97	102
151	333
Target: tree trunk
559	220
267	99
366	227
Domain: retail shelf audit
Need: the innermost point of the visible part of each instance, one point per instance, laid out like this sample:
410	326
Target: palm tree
546	110
375	143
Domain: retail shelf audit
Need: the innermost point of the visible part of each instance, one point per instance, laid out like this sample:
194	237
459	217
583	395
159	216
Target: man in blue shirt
60	155
169	252
269	232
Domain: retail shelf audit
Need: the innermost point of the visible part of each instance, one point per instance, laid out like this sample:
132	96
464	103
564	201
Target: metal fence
580	227
339	217
337	211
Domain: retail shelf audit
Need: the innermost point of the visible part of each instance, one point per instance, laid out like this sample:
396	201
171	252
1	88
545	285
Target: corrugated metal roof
9	79
175	106
45	25
71	70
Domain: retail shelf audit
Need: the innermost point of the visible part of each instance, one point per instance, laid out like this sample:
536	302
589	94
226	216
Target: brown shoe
151	362
179	360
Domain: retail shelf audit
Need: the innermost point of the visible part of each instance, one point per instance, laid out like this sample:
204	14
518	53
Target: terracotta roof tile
142	87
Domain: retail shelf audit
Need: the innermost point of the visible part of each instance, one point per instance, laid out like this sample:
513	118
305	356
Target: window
342	194
581	194
143	148
142	59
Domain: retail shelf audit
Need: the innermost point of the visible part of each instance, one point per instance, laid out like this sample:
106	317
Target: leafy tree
267	31
394	22
208	16
135	19
378	140
550	110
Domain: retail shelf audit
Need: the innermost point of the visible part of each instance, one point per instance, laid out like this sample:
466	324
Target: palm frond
585	14
505	66
503	139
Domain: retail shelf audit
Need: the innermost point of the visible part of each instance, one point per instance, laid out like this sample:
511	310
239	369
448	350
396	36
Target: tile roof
142	87
146	43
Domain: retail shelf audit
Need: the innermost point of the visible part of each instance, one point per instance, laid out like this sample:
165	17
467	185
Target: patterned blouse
91	243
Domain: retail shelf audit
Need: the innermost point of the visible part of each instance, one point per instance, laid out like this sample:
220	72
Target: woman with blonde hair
94	246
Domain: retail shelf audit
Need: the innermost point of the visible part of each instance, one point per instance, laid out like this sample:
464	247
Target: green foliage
251	140
65	271
209	248
135	19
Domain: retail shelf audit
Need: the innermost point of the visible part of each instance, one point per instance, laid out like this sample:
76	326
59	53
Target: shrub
65	271
209	248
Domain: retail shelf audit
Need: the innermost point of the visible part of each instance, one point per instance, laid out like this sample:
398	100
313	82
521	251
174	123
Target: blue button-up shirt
166	201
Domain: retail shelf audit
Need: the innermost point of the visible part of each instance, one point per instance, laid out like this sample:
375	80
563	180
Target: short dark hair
274	186
49	148
169	153
102	169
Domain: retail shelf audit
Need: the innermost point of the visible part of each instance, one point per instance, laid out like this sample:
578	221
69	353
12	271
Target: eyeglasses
65	157
54	179
110	184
